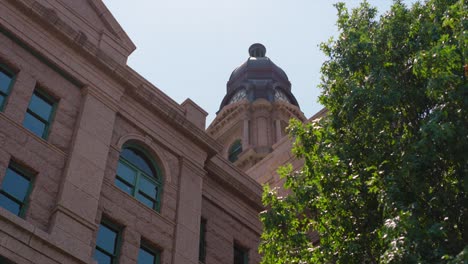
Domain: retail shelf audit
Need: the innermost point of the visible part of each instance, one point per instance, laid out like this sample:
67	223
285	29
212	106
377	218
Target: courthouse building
97	165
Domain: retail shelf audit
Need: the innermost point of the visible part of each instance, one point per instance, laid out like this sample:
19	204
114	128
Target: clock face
240	95
281	96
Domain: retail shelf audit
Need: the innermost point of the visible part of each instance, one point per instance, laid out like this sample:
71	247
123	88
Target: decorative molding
178	120
36	233
133	83
225	172
138	203
59	208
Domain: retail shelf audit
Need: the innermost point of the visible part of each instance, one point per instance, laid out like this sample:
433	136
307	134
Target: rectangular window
202	243
6	81
107	244
39	114
148	256
16	186
5	261
241	255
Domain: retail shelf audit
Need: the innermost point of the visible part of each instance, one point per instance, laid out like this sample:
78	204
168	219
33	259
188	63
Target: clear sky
188	48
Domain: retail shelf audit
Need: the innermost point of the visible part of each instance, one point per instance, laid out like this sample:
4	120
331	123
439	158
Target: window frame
157	180
5	69
202	241
114	227
48	123
27	174
155	252
4	260
245	252
235	149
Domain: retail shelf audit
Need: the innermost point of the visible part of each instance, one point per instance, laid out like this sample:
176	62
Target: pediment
93	19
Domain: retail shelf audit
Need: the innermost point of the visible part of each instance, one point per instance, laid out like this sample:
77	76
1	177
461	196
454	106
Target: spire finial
257	50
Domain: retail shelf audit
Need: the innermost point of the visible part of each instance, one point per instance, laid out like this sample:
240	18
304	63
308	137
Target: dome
258	77
258	66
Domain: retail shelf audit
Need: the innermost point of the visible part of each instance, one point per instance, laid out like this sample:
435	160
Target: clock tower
255	110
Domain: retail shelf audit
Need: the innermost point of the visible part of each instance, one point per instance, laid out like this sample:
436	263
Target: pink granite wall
102	104
228	221
45	157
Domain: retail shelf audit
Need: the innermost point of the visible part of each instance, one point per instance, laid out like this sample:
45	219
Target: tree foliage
385	174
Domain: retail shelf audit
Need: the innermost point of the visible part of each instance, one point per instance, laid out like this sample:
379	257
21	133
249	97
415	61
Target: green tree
385	174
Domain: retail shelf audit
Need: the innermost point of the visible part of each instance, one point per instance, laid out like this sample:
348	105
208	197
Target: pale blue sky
188	48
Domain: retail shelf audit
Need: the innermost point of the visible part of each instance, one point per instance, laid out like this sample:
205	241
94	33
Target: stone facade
76	53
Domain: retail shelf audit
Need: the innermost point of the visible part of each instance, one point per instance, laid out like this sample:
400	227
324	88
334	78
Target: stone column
73	220
188	214
245	135
278	130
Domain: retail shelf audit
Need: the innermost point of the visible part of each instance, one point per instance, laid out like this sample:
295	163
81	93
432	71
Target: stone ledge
129	79
38	139
19	225
243	185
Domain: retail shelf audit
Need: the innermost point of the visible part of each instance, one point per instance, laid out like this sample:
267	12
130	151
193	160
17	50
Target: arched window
139	176
235	150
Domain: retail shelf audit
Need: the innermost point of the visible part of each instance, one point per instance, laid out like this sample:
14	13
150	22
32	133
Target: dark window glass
240	255
135	177
40	106
6	79
202	242
146	200
102	258
147	187
235	150
107	238
9	204
106	245
15	184
146	256
39	114
15	190
126	173
5	261
139	160
35	125
124	186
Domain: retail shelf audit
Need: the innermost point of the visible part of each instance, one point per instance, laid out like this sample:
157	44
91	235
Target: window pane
146	257
102	258
139	160
123	186
202	242
34	125
9	204
126	172
2	99
235	150
5	80
148	202
107	239
15	185
148	187
240	255
40	106
5	261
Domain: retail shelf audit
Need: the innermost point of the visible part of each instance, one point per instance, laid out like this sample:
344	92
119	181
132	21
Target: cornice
11	224
150	99
133	83
228	113
232	177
